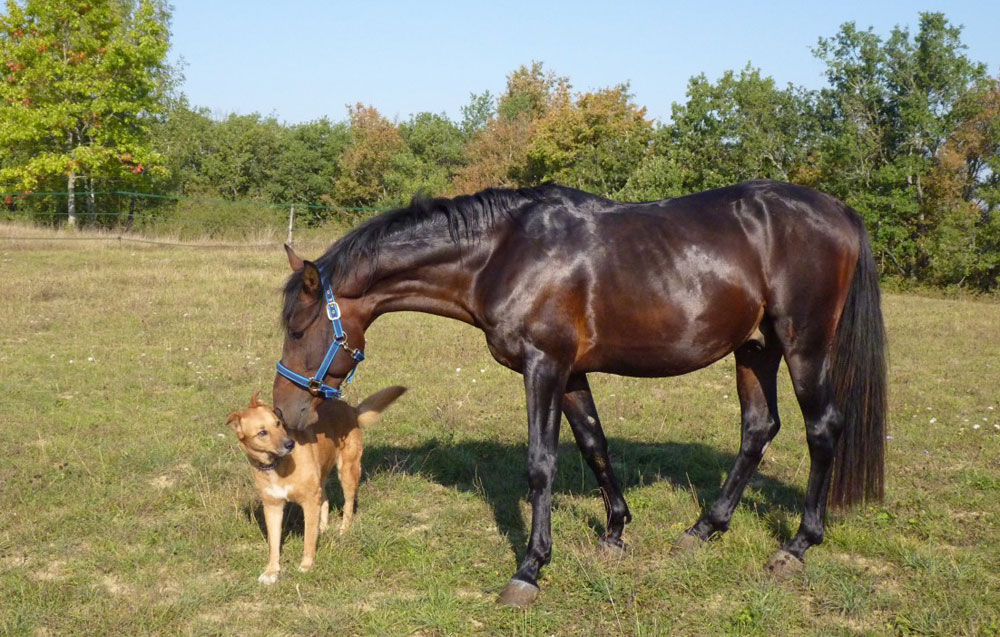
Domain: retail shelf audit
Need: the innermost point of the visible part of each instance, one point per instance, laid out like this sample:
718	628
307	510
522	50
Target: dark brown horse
564	283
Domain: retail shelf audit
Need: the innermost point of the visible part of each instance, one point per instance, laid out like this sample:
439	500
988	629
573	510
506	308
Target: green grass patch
127	508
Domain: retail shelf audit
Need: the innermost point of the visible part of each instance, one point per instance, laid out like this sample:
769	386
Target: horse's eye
296	335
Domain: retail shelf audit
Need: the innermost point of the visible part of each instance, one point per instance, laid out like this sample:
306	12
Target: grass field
127	508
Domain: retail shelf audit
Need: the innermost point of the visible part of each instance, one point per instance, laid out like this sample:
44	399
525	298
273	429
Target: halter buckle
333	311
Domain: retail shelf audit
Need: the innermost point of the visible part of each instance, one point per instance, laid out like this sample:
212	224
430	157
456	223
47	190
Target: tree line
906	130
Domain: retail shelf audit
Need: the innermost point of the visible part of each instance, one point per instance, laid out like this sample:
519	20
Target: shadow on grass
499	473
293	522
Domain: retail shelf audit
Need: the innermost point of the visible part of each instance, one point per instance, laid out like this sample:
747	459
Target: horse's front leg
544	383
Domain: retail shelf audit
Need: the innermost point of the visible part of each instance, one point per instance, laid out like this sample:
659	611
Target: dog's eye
262	433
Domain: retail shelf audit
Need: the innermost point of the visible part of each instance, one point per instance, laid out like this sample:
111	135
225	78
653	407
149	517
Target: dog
294	465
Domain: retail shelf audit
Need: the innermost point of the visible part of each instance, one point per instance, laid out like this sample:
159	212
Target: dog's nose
289	444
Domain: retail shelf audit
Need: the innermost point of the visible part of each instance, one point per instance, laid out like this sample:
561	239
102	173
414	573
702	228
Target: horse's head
310	335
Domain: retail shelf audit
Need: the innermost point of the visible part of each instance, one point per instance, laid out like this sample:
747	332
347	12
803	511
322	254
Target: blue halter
315	385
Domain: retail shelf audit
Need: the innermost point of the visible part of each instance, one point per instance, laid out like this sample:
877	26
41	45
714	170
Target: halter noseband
315	385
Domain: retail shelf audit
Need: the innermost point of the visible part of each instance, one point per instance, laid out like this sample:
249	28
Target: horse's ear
311	280
294	260
255	401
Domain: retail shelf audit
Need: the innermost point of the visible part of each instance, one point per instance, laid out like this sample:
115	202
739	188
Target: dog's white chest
278	491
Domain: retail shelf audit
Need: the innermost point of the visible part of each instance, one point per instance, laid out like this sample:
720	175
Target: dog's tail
371	408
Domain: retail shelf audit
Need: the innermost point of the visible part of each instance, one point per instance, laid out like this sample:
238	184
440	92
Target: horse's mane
464	217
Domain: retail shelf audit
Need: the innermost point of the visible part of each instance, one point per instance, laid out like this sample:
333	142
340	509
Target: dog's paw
268	577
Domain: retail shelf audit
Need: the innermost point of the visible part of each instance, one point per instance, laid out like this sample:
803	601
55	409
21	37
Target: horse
564	283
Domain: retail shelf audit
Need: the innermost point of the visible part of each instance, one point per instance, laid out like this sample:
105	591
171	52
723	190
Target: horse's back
781	206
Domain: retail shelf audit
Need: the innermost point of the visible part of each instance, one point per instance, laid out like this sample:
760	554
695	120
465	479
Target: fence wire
126	211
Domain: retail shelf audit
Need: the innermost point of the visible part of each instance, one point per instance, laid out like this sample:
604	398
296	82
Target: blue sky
304	59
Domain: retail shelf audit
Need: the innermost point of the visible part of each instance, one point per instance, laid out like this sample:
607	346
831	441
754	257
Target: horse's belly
663	340
653	360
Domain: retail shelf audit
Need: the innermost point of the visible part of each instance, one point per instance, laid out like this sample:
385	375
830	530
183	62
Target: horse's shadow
498	471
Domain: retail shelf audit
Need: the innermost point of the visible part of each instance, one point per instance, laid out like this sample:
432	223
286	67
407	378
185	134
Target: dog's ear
234	422
311	279
294	260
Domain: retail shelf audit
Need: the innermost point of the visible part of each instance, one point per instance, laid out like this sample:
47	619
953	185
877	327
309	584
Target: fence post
71	200
131	213
291	218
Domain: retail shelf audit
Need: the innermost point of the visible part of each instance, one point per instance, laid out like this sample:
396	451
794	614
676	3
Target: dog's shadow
498	472
293	522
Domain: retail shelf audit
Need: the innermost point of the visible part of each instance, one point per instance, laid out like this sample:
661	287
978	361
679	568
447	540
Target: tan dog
293	465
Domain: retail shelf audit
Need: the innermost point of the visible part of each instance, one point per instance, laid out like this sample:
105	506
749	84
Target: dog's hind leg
324	512
350	476
272	516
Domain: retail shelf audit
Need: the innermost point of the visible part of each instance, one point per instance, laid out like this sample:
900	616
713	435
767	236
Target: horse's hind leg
578	406
756	384
824	422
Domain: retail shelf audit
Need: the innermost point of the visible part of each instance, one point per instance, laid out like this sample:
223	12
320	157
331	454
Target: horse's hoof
518	593
783	564
686	543
611	547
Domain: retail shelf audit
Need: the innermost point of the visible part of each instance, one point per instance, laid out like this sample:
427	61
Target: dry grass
128	509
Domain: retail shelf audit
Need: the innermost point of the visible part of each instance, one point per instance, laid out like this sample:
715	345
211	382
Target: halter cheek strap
315	385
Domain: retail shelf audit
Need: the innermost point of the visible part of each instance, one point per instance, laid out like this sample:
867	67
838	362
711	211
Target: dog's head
261	433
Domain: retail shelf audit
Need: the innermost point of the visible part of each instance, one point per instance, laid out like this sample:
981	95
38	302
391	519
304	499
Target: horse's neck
435	282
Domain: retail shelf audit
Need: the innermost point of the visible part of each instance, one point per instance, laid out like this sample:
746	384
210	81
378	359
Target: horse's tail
859	381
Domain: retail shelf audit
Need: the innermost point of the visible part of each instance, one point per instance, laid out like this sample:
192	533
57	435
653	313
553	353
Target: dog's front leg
311	511
272	516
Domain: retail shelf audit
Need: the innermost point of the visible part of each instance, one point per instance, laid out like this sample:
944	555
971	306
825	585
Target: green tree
888	111
241	161
659	174
434	139
184	137
477	113
742	127
308	164
85	79
435	150
249	156
738	128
